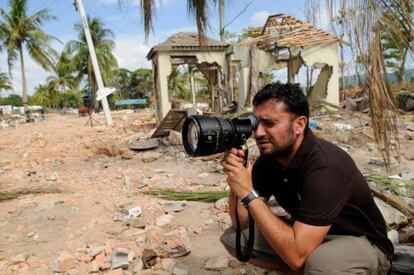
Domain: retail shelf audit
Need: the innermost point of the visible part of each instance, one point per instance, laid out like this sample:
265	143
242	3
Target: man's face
274	134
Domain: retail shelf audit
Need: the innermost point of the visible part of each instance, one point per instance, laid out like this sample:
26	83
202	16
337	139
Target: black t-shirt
323	186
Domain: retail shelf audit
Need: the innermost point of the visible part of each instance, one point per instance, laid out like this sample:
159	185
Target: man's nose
259	132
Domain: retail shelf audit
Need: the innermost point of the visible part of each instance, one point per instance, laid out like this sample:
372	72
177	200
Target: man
335	227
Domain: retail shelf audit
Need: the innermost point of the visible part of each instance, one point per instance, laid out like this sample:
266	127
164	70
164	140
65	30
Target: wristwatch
251	196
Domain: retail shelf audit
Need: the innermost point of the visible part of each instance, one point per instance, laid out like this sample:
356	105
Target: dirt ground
69	180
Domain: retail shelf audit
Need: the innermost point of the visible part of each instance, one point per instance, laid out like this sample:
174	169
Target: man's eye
269	123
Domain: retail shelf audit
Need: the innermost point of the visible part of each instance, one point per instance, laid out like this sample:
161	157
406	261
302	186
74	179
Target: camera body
207	135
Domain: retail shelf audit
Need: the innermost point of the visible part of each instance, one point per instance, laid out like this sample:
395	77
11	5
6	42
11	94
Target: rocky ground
74	198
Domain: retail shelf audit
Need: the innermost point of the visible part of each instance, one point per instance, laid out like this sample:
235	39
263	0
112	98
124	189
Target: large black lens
205	135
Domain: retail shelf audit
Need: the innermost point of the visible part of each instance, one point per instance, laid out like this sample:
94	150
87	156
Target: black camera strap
244	256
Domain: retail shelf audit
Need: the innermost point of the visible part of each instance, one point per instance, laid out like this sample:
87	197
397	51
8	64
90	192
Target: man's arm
292	243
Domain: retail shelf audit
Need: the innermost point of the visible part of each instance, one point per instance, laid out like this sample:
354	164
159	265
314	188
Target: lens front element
192	135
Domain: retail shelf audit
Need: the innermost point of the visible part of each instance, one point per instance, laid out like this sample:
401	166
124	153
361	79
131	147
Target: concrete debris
179	271
119	258
177	206
393	236
63	263
134	212
175	138
164	220
217	263
391	215
103	201
150	156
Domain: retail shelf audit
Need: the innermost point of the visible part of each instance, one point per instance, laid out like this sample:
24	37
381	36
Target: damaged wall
165	67
328	54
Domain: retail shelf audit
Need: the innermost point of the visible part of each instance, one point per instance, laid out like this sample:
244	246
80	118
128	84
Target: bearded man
334	225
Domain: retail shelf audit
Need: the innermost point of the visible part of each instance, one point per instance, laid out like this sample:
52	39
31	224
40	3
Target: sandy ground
78	177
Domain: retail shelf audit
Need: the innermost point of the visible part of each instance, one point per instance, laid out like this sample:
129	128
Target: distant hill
350	81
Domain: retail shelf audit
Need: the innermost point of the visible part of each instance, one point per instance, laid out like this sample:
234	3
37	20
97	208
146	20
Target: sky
131	48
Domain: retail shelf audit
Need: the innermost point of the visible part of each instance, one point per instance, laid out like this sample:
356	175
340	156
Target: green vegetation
19	30
209	196
80	58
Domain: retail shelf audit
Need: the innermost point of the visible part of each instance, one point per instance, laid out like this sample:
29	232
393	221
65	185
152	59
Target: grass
208	196
10	195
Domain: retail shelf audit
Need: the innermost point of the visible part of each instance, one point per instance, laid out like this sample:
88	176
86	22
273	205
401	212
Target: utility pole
221	12
101	88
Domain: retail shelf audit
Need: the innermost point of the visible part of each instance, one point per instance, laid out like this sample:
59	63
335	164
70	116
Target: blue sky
125	22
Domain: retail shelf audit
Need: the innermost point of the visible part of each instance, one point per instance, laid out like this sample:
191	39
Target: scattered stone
94	267
391	215
177	243
136	223
21	258
403	260
203	175
116	229
150	156
96	250
134	212
234	263
175	206
139	266
380	162
52	177
217	263
168	264
175	138
393	236
164	220
149	258
119	258
155	236
63	263
222	205
118	217
179	271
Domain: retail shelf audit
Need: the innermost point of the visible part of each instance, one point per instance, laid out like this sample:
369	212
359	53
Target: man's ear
300	124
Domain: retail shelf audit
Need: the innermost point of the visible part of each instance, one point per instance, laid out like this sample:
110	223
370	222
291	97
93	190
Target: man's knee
344	255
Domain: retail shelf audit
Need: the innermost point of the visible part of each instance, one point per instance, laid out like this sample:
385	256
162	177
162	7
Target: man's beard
284	150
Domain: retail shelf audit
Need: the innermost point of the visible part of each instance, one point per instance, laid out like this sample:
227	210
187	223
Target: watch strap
251	196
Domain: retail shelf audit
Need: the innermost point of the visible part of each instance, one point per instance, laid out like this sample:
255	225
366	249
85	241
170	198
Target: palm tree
19	29
4	82
364	23
63	79
198	9
104	44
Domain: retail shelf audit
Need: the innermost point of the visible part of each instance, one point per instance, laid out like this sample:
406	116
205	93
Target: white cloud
158	3
259	18
131	53
35	74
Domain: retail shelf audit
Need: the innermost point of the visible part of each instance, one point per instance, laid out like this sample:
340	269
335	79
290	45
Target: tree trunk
24	88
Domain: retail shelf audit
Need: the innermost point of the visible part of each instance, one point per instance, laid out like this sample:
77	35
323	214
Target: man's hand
238	177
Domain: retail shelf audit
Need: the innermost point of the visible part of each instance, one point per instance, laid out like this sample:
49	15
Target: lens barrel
207	135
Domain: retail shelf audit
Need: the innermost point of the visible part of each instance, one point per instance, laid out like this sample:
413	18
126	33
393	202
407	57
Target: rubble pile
95	215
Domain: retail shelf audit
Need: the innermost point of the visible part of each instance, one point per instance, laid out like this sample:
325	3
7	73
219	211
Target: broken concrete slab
119	258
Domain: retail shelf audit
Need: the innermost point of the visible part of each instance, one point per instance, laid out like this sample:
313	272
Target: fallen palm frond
13	194
385	182
208	196
382	183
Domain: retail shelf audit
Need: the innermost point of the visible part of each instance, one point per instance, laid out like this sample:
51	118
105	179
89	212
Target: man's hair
290	94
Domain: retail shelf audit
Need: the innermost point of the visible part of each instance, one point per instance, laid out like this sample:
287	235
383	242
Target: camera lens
192	135
204	135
